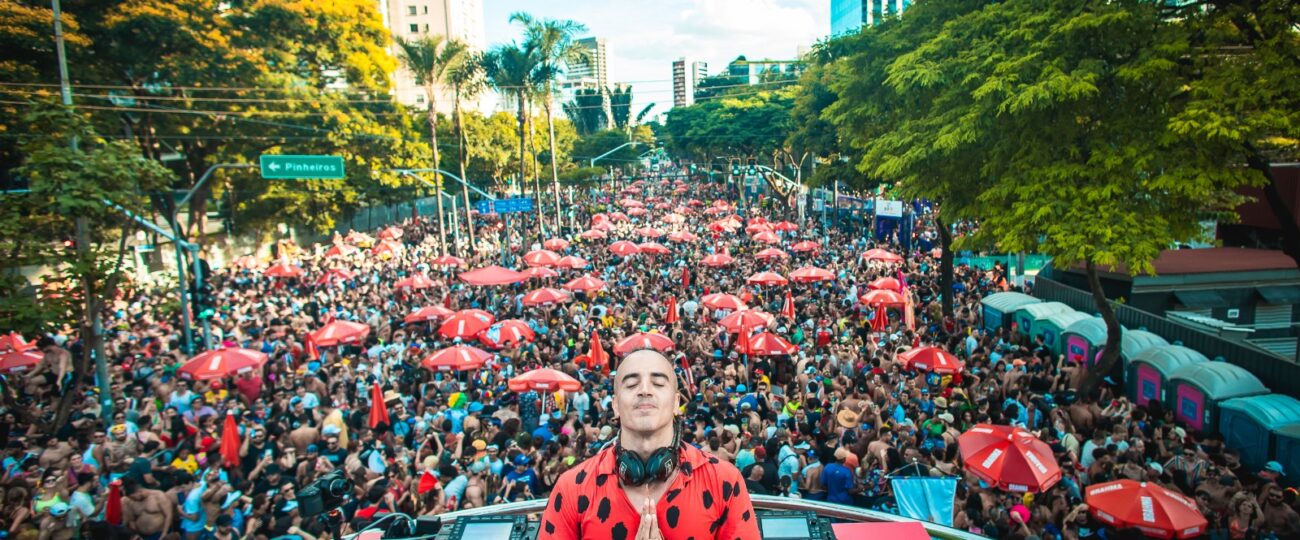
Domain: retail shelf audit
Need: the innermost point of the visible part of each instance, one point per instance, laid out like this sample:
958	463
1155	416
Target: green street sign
278	167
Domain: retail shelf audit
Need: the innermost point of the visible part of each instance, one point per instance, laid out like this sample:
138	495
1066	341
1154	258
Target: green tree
586	110
620	104
512	70
467	80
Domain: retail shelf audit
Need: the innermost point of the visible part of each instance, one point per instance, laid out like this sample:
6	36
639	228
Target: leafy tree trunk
555	174
1285	216
945	265
464	186
1110	354
437	177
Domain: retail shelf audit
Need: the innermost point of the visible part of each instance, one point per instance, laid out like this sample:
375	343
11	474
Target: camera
327	493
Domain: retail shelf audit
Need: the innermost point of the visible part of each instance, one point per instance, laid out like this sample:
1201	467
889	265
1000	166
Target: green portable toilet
1053	327
998	308
1147	375
1248	424
1133	342
1027	316
1197	390
1084	340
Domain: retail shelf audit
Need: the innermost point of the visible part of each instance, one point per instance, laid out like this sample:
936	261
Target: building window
410	10
415	28
419	98
426	10
426	28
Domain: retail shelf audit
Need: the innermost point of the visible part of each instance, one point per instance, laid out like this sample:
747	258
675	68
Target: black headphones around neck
632	471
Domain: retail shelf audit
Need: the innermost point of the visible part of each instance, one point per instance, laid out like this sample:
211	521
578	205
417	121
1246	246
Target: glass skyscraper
849	15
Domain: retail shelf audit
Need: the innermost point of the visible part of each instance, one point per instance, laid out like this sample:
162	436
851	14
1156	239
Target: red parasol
767	278
1009	458
507	333
359	238
339	333
593	234
14	342
426	314
417	281
886	283
465	324
378	409
340	250
386	247
787	308
682	237
284	269
340	274
623	248
673	219
810	274
643	340
556	244
695	203
638	212
931	359
653	248
755	228
540	272
878	254
766	237
671	316
723	301
805	246
541	257
1155	510
785	226
631	203
768	344
448	260
492	275
616	216
391	233
880	319
19	361
883	297
544	380
572	262
649	232
230	442
113	507
771	254
456	358
545	296
747	319
717	260
247	262
585	284
221	363
597	354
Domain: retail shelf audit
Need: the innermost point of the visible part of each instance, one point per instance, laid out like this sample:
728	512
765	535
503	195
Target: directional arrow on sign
274	166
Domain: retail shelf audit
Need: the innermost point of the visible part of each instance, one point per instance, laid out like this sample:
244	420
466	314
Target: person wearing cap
837	478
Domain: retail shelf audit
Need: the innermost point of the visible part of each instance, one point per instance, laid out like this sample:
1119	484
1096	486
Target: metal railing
1279	374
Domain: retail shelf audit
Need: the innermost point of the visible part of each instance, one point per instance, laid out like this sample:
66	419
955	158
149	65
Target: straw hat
847	419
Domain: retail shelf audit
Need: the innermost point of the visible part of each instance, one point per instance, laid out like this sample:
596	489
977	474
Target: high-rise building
686	75
849	15
590	73
757	71
413	19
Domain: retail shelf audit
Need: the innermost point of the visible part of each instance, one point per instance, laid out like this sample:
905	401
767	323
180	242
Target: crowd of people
831	422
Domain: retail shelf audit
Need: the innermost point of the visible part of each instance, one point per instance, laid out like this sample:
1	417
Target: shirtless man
1278	517
56	456
147	512
476	490
120	450
215	494
303	437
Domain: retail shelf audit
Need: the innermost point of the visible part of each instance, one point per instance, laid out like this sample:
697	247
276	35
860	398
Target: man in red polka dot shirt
621	493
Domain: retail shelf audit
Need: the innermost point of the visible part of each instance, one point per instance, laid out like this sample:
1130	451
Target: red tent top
931	359
537	272
492	275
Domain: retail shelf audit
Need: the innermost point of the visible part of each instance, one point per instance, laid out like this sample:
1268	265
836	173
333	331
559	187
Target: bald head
645	393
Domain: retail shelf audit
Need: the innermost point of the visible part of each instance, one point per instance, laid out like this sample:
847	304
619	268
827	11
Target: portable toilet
1147	376
1198	389
1027	316
1133	342
1286	447
998	308
1084	340
1053	327
1248	424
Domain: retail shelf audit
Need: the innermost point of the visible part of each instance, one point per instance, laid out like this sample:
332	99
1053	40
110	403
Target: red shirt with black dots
707	500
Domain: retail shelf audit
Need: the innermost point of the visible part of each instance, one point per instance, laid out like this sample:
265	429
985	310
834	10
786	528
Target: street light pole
469	222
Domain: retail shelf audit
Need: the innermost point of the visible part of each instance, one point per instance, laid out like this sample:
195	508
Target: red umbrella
593	234
606	226
585	283
391	233
766	278
221	363
544	380
339	333
643	340
14	342
378	409
653	248
492	275
465	324
230	442
541	257
766	237
717	259
247	262
284	269
755	228
340	274
931	359
747	319
631	203
878	254
1156	511
810	274
886	283
804	246
787	308
18	361
113	507
426	314
623	248
539	272
785	226
340	250
616	216
545	296
417	281
682	237
507	333
386	247
771	254
359	238
769	344
671	317
880	319
597	354
695	203
557	244
456	358
649	232
673	219
723	301
448	260
883	297
572	262
638	212
1009	458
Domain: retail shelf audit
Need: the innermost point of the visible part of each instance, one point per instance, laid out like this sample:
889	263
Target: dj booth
779	518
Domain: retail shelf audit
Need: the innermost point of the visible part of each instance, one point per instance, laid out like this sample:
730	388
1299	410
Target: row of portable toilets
1206	396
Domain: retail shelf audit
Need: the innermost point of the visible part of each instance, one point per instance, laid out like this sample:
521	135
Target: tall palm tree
512	69
467	80
552	42
429	59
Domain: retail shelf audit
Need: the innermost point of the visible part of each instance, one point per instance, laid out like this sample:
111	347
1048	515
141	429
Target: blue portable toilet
1286	447
1028	316
1196	391
997	308
1248	424
1147	374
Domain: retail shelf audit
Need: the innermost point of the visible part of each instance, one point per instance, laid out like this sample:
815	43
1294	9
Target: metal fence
370	218
1278	373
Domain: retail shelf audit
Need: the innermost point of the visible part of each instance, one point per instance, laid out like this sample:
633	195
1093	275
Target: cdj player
773	525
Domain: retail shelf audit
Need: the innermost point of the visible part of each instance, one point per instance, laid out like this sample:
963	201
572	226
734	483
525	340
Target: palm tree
466	78
429	58
512	70
552	42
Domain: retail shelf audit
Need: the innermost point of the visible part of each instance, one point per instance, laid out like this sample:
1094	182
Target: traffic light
203	301
735	166
753	166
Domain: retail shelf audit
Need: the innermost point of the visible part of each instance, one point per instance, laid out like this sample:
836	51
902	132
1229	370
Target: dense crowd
832	422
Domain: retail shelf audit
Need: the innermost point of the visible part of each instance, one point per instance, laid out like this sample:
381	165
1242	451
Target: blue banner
928	499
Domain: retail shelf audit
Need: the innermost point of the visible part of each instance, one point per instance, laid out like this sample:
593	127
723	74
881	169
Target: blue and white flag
928	499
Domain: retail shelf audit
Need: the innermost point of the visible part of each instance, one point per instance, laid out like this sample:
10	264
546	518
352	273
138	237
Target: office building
413	19
765	70
686	76
590	73
849	15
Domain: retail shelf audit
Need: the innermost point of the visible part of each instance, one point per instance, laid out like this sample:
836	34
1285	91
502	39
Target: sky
646	36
